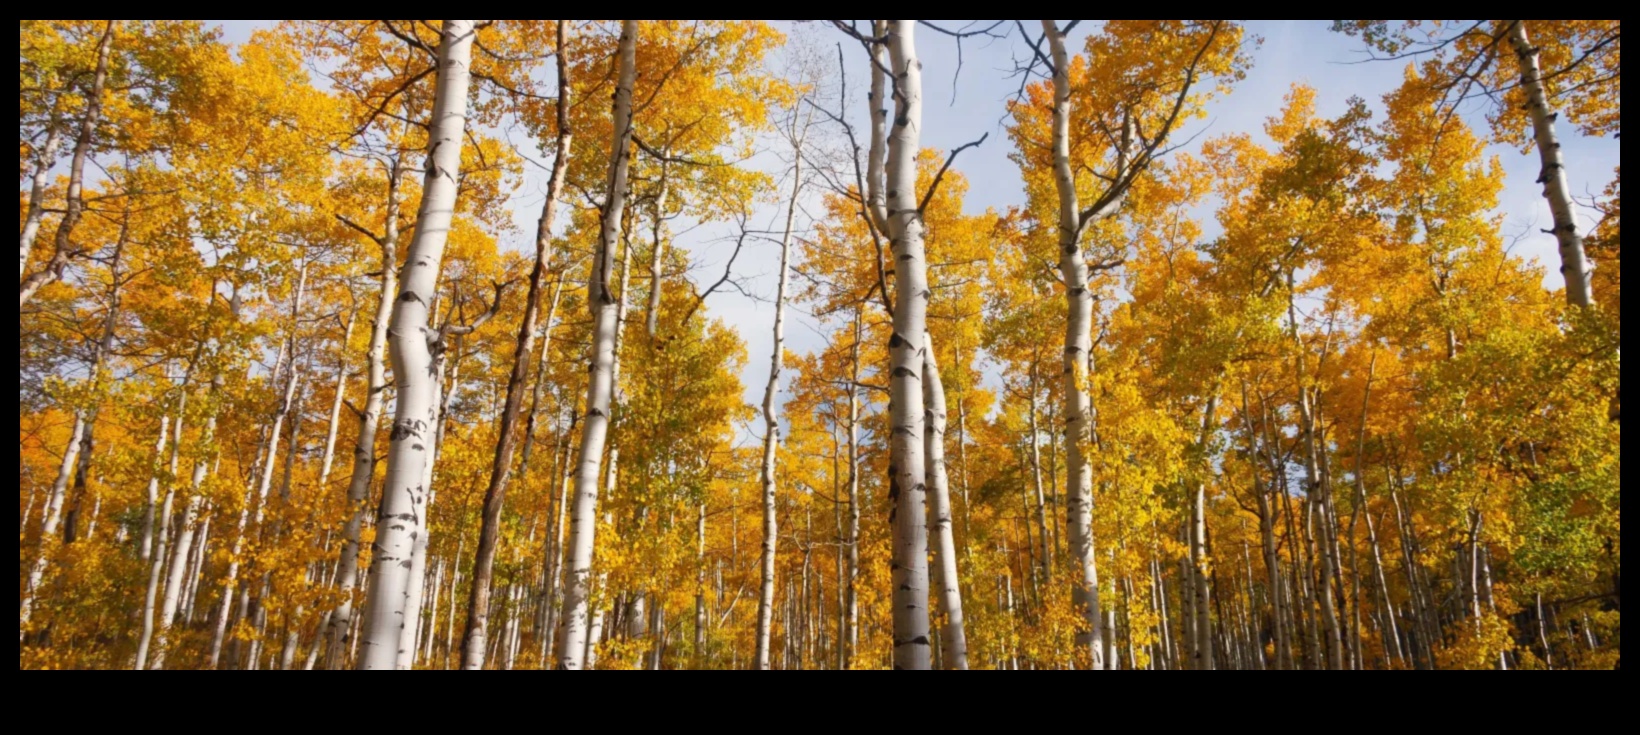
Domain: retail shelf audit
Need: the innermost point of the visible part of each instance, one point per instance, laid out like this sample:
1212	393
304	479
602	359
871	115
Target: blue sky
1291	52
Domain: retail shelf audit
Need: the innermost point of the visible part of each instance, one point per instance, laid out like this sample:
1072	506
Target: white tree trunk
249	519
412	341
953	637
156	564
601	301
329	458
1574	263
63	247
1073	269
41	178
182	571
771	419
340	623
907	471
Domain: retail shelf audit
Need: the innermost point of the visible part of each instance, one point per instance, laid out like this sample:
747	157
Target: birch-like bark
62	245
771	413
44	158
77	455
478	596
156	564
340	624
953	636
1073	269
412	342
852	606
327	461
602	302
1574	262
907	470
249	519
182	570
1202	649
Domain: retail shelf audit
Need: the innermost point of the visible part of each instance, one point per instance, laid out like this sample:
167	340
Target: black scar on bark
905	587
905	372
595	412
405	564
397	527
921	640
895	340
418	447
411	296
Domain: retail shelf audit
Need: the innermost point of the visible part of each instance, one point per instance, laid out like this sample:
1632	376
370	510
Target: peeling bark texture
573	637
478	599
400	517
907	472
1574	262
953	637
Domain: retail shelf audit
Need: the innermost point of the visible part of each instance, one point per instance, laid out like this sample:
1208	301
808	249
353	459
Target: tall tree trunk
62	245
412	343
1574	263
907	470
478	596
340	624
601	301
771	418
1073	269
851	613
953	637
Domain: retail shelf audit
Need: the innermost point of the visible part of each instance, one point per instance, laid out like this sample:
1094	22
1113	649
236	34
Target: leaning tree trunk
340	624
1073	269
62	246
601	301
907	487
478	597
953	638
1574	263
399	520
44	158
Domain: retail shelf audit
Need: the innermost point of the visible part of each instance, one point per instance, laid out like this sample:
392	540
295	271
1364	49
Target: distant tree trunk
852	606
185	558
601	301
44	158
478	597
771	414
953	637
1200	563
77	455
400	519
327	461
62	246
156	563
250	514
